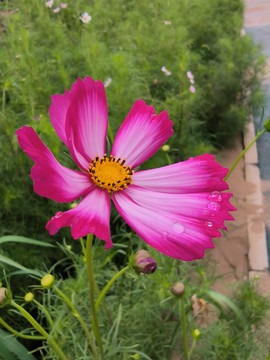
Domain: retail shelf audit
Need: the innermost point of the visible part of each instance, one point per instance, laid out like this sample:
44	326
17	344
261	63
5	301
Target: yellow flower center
110	173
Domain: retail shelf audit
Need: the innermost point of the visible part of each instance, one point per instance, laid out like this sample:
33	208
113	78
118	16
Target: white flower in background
166	72
192	89
86	18
49	3
56	10
107	82
167	22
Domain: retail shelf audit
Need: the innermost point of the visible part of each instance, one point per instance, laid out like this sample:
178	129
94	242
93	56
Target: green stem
192	347
40	329
92	292
184	327
106	288
83	247
168	158
17	333
80	319
110	134
244	151
46	312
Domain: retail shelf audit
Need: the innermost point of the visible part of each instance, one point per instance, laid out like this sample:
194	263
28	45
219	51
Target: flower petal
177	236
212	207
91	216
51	179
58	111
86	122
141	134
199	174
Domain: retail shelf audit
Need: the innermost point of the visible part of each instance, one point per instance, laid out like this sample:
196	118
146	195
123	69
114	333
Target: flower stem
92	292
184	327
40	329
168	158
45	311
17	333
110	134
83	247
80	319
259	133
109	284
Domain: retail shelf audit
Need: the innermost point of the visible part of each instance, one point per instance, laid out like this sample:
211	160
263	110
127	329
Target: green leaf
22	239
223	301
15	264
12	349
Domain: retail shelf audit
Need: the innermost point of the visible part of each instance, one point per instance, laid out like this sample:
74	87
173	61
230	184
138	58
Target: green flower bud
178	289
47	281
165	148
196	334
267	125
29	297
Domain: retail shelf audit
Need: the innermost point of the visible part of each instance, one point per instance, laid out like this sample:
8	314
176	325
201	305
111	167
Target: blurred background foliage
42	53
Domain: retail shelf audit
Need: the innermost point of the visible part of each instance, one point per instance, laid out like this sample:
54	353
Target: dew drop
165	235
215	196
178	228
213	206
209	224
58	214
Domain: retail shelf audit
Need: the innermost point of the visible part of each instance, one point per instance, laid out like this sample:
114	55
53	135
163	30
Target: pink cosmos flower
49	3
56	10
192	89
190	75
63	5
176	209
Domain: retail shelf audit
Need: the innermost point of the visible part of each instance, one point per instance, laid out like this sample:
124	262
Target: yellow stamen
110	173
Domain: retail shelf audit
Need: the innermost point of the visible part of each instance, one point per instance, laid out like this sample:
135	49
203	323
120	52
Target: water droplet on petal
165	235
58	214
215	196
178	228
209	224
213	206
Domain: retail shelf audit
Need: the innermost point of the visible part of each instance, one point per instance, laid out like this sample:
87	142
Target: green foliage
11	349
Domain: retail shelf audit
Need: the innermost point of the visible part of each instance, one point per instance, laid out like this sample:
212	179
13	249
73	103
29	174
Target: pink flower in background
192	89
177	209
63	5
166	72
190	75
49	3
56	10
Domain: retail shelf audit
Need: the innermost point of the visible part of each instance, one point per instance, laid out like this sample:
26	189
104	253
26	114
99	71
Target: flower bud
196	334
29	297
47	281
267	125
5	296
144	263
165	148
178	289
